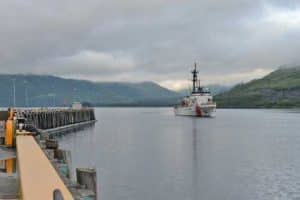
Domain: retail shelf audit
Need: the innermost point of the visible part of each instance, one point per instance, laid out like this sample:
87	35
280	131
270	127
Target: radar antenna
195	78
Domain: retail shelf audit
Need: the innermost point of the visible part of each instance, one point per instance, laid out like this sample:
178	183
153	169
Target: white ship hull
196	111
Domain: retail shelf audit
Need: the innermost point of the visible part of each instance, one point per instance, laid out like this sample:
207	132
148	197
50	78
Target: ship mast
195	78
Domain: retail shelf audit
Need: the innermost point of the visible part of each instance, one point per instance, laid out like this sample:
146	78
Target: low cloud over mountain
127	40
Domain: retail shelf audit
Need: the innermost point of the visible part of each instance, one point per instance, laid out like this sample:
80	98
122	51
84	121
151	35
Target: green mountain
35	90
279	89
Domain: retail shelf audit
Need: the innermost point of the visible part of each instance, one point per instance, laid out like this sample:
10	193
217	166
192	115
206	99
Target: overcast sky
157	40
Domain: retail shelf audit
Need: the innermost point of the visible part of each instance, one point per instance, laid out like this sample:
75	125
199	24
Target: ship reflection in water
195	159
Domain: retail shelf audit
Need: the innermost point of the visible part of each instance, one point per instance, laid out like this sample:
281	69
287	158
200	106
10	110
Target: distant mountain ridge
215	89
42	90
279	89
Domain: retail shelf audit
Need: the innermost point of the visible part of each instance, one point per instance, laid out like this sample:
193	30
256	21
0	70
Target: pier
28	144
53	118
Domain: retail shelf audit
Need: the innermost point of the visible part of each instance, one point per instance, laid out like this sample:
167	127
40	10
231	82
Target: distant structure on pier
77	105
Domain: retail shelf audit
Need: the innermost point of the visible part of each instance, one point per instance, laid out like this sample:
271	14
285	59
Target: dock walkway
38	177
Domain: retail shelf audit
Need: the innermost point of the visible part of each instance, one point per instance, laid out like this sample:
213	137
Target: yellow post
10	133
10	129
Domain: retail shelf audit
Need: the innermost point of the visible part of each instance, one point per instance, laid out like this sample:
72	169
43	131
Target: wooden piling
64	156
87	178
51	144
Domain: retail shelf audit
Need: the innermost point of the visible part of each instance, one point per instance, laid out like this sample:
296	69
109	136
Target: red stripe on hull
198	111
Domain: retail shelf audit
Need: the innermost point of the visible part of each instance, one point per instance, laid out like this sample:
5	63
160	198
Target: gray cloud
148	40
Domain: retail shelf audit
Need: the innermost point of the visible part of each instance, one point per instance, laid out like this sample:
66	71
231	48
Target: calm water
148	153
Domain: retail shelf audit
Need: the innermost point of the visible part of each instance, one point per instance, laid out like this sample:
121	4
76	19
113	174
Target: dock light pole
14	92
54	95
26	93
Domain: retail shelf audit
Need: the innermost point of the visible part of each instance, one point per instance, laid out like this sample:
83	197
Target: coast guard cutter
199	103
